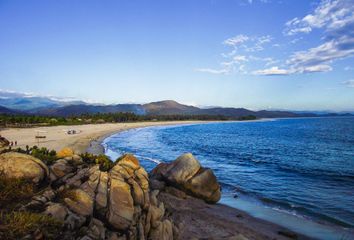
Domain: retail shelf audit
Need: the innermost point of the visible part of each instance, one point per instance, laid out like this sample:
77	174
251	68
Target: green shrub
48	157
104	161
88	158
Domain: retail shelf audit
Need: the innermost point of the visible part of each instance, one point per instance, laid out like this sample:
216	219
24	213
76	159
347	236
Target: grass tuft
16	225
13	190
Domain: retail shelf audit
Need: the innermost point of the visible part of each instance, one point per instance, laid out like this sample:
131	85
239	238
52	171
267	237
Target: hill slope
77	110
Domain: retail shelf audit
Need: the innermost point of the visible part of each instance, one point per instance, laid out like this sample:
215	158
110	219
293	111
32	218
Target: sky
257	54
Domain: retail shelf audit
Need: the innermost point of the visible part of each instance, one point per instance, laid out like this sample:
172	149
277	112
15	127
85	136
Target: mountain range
17	103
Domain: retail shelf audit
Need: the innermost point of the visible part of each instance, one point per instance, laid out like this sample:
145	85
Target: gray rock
185	173
182	169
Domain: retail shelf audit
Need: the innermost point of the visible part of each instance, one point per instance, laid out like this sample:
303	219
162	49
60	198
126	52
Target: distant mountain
22	103
26	101
77	110
169	107
4	110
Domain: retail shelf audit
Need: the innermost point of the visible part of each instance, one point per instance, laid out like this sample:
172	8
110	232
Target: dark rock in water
188	175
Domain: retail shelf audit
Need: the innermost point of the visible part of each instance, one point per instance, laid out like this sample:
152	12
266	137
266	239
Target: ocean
295	172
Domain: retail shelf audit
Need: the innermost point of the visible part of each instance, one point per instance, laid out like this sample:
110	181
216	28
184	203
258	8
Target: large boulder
182	169
204	185
187	174
23	166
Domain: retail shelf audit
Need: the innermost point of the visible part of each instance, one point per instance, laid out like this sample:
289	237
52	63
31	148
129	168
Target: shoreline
221	213
258	228
95	146
56	137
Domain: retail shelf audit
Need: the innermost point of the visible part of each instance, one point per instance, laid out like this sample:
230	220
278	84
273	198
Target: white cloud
316	68
329	14
213	71
336	18
272	71
237	40
323	54
247	43
349	83
240	58
239	43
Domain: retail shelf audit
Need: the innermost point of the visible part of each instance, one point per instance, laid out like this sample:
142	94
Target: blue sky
260	54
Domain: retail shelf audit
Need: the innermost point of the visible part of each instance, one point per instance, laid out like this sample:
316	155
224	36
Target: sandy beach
56	137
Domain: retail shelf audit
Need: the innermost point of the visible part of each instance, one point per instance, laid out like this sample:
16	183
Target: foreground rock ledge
93	204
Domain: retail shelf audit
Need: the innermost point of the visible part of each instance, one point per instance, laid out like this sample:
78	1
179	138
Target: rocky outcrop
186	174
90	203
23	166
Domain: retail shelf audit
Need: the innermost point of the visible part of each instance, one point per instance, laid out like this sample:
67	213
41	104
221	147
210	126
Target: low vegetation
29	120
14	190
16	225
104	161
47	156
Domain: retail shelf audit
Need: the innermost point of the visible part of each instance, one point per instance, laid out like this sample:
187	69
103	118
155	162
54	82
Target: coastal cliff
69	196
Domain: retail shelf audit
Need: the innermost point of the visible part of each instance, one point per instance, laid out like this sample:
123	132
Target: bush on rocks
105	163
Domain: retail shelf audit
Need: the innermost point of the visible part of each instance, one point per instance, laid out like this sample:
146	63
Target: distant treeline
32	120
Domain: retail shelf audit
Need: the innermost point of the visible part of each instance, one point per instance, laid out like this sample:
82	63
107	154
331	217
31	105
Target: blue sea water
296	172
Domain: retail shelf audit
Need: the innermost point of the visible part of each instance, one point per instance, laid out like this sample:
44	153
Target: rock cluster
186	174
122	203
90	203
